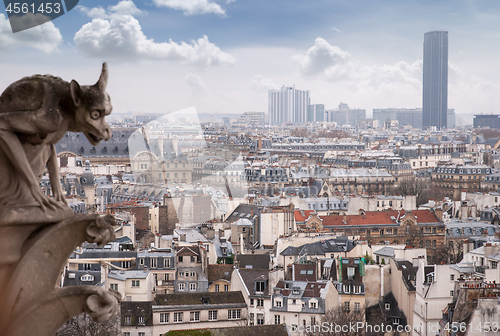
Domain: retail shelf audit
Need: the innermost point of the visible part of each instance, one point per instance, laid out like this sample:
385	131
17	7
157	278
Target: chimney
439	214
490	249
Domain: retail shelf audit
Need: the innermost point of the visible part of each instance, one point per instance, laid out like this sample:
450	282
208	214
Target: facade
315	113
453	179
345	115
254	118
404	116
487	120
183	311
191	269
435	80
288	105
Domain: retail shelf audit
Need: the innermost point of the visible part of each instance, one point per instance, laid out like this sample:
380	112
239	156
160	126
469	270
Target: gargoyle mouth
94	139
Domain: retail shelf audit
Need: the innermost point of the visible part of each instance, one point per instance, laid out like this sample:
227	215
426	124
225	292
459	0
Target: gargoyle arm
14	151
55	183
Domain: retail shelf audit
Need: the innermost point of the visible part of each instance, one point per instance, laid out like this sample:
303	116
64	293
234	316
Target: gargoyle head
92	105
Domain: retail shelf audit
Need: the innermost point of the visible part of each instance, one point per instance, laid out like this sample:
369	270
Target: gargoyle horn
103	80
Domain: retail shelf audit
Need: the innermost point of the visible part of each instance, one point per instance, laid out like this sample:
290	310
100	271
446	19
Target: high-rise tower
288	105
435	81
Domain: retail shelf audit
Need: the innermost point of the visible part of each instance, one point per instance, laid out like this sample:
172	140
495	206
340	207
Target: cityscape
297	211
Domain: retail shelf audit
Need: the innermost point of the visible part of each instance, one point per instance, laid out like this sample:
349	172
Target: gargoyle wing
29	106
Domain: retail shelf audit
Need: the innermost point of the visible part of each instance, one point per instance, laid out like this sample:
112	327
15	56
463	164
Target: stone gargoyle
39	233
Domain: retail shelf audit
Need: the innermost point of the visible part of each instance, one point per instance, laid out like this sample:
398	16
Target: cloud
193	7
401	73
45	37
322	58
335	29
117	34
124	7
199	89
260	84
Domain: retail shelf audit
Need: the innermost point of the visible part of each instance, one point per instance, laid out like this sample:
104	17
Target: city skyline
435	80
223	57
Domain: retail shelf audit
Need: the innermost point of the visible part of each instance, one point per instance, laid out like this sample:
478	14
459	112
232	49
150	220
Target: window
126	334
387	306
192	287
128	319
357	306
178	317
192	274
251	302
216	288
141	333
451	293
346	305
164	317
193	259
494	264
313	320
114	286
233	314
182	286
136	283
154	262
166	263
181	274
141	261
350	273
312	305
260	319
141	319
251	319
194	316
452	277
259	286
125	264
212	315
277	319
260	302
180	258
277	303
226	288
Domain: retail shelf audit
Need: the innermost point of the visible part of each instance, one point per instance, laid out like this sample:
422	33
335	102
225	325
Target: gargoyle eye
95	114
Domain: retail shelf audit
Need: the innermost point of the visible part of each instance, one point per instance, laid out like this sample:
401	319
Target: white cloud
124	7
45	37
113	34
192	7
322	58
261	84
199	89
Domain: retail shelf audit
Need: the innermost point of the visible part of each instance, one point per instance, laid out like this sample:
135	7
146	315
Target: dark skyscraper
435	81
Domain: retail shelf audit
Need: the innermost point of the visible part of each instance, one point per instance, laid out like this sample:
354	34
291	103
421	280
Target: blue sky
166	55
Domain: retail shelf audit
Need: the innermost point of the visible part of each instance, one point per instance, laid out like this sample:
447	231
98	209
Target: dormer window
350	273
387	306
260	286
296	291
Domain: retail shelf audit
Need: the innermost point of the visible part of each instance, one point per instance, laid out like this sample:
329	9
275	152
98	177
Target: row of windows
181	258
182	287
217	288
153	262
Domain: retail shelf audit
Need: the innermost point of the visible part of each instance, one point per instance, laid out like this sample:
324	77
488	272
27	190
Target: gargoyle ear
76	92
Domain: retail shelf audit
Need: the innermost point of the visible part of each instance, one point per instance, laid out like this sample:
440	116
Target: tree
414	187
337	317
331	134
84	325
299	132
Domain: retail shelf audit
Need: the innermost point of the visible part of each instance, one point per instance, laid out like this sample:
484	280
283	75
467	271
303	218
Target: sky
223	56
